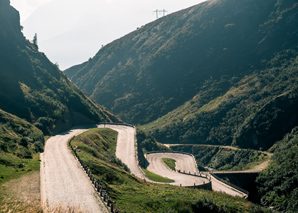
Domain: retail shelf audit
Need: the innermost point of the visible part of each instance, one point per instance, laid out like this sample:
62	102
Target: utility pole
160	11
156	11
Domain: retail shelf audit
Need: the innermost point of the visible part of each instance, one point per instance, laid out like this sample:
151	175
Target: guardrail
112	206
177	152
118	124
201	186
230	184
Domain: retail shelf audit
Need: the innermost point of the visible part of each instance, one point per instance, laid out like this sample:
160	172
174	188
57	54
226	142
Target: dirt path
25	188
65	183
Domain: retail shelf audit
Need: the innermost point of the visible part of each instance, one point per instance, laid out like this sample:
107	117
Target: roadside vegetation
157	178
20	144
278	183
96	148
223	158
170	163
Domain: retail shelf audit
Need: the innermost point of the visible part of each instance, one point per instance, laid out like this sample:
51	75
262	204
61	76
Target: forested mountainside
33	88
218	72
278	184
255	113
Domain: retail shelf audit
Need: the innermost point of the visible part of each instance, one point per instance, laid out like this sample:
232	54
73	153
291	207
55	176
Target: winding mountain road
157	166
185	163
63	181
126	148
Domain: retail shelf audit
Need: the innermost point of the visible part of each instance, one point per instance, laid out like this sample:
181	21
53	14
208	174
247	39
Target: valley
211	93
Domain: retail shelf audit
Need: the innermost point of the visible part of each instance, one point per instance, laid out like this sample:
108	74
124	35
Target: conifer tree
35	41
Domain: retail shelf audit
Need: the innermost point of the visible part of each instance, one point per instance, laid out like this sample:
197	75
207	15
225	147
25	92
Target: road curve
126	148
63	180
157	166
126	152
185	163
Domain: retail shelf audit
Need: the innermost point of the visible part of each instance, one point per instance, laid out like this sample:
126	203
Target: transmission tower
163	12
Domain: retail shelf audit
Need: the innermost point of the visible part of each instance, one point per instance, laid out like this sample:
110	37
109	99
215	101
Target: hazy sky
71	31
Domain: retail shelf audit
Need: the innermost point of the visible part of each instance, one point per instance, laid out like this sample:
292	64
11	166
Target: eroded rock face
9	21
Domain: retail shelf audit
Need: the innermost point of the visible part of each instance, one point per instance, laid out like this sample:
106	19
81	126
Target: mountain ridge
33	88
203	62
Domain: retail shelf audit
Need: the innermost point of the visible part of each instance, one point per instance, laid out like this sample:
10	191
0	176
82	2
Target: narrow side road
63	182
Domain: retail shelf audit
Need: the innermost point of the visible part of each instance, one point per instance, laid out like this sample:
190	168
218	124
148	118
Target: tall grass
9	205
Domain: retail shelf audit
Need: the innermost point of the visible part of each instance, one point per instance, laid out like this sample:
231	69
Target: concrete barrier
230	184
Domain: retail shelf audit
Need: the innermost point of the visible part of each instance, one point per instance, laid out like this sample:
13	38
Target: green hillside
254	113
221	72
33	88
278	184
157	68
96	148
20	142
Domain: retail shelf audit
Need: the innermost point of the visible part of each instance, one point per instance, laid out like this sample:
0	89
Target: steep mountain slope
255	113
33	88
278	184
159	67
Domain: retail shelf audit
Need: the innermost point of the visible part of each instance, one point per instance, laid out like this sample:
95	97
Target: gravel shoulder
63	180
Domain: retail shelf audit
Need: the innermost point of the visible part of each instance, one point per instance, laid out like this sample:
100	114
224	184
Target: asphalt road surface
63	181
157	166
186	163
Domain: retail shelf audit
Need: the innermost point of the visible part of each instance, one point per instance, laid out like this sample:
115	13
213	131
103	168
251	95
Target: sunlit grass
157	178
170	163
29	206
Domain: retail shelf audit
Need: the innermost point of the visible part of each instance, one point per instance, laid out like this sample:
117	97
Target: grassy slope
157	178
170	163
20	143
97	147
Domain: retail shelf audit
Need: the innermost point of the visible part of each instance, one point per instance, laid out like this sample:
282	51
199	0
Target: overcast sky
69	32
